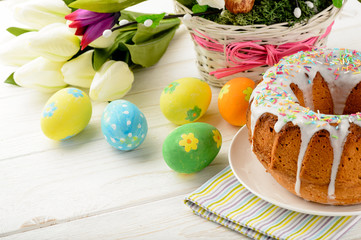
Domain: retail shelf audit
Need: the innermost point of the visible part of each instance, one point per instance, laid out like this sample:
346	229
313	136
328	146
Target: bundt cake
304	125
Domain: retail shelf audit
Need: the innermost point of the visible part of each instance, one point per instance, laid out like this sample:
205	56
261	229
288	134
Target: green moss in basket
270	12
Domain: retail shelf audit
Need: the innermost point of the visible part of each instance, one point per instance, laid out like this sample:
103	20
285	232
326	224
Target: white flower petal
212	3
39	13
55	42
41	74
112	81
79	71
17	51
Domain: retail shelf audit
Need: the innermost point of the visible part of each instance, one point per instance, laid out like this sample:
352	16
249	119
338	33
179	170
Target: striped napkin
224	200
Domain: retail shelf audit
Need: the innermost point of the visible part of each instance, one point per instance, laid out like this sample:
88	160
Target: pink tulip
91	25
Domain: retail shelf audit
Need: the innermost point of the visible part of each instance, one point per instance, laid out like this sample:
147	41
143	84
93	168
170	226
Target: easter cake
304	124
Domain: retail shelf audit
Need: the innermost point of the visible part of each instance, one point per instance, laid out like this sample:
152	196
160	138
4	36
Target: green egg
191	147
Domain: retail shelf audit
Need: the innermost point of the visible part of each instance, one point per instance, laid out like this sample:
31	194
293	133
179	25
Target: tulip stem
170	17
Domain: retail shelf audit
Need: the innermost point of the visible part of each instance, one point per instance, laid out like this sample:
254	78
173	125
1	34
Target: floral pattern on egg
189	142
223	91
75	92
248	93
217	137
171	87
193	114
123	125
66	138
49	110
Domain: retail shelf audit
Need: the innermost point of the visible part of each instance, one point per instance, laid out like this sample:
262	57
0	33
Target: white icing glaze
274	95
337	145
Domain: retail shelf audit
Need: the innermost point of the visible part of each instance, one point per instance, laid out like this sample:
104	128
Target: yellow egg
185	100
66	114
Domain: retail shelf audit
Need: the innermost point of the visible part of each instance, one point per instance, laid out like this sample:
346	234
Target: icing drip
306	135
340	69
337	146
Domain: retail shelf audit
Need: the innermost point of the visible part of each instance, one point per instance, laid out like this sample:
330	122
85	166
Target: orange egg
233	100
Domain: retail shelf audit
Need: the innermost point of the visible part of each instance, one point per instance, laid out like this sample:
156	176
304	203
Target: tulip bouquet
85	43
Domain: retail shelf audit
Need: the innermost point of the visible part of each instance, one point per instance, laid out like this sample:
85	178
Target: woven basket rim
208	60
256	27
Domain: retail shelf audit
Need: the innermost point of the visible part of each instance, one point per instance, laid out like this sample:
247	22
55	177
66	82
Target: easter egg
185	100
66	113
123	125
233	100
191	147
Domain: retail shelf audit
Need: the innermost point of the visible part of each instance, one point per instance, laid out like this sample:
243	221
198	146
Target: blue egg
123	125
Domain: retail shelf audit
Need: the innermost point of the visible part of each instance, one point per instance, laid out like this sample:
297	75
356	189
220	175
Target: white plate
250	172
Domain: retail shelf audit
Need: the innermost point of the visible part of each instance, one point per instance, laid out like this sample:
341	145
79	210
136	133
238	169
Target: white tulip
16	52
37	14
212	3
79	71
112	81
41	74
55	42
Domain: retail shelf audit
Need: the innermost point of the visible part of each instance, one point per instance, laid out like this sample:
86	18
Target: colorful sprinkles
274	95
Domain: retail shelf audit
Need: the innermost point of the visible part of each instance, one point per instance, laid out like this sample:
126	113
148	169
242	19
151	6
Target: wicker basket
276	34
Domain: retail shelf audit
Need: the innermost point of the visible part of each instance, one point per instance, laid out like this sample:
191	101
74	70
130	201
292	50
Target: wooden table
82	188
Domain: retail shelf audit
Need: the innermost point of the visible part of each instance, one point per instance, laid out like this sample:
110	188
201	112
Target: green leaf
104	6
130	16
337	3
123	56
137	44
16	31
101	55
156	18
148	53
149	44
67	2
10	80
145	33
199	8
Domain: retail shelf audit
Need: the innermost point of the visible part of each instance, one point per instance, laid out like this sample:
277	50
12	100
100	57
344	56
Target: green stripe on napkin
224	200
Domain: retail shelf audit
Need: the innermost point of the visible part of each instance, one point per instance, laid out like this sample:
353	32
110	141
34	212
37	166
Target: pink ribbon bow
243	56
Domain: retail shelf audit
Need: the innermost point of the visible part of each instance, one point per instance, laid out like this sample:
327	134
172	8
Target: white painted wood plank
346	31
165	219
74	179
